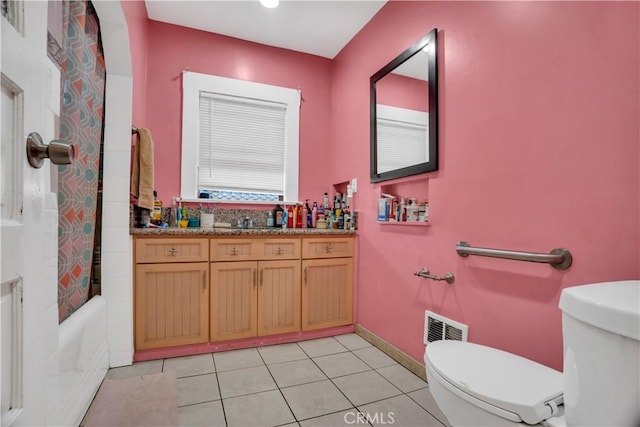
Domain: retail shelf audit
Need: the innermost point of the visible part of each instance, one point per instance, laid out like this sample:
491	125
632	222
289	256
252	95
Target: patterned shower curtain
81	122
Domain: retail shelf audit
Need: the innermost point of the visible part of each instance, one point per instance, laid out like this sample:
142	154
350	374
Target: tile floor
334	381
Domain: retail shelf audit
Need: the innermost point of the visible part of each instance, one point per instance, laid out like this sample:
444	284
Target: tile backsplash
258	217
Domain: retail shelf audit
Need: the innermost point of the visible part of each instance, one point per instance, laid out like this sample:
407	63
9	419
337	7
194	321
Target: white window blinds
241	144
402	137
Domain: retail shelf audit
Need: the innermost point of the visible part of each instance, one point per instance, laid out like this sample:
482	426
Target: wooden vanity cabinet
171	292
259	295
327	282
210	289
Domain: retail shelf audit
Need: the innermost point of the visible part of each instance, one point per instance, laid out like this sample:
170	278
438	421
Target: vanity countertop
173	231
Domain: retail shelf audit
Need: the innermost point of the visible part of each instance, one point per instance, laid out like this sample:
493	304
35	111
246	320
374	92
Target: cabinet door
278	297
172	304
234	300
327	293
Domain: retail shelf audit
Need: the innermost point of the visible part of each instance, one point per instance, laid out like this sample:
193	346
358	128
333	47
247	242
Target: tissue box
206	220
383	212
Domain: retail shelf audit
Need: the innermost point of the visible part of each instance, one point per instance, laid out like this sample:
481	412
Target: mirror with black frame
404	113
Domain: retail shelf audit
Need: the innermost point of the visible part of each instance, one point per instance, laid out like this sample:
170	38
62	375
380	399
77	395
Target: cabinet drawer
327	247
161	250
234	250
269	249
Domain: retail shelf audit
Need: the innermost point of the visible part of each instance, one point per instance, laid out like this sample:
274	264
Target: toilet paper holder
424	273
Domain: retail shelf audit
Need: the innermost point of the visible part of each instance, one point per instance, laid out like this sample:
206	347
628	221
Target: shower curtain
81	122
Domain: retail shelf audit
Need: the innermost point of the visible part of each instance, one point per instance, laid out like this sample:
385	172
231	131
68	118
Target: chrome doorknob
59	152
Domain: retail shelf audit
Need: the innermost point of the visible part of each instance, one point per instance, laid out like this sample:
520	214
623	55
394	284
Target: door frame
117	282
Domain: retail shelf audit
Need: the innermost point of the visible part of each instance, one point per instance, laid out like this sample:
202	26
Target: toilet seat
502	383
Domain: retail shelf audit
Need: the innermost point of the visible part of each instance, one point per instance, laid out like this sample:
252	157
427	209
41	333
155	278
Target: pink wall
539	107
173	49
137	22
135	14
538	149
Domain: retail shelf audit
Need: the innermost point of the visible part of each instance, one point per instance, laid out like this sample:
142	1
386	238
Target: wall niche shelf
406	223
416	187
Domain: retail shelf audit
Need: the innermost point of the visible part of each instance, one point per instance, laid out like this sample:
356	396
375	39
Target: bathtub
83	359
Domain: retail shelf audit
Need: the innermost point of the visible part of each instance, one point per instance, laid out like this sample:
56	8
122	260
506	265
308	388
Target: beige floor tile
321	347
137	369
424	398
190	365
343	418
335	365
237	359
208	414
260	410
402	378
281	353
366	387
399	411
245	381
297	372
352	341
315	399
374	357
197	389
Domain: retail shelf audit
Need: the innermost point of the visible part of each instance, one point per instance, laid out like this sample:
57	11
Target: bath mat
149	400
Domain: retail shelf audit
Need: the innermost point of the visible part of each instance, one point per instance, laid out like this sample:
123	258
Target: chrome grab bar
424	273
559	258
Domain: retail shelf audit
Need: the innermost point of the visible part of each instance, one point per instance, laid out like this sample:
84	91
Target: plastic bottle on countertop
270	219
314	215
296	216
290	216
307	218
285	215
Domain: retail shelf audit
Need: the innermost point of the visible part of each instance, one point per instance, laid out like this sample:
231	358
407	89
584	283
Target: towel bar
559	258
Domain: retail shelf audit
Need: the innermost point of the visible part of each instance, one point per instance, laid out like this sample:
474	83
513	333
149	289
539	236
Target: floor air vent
437	328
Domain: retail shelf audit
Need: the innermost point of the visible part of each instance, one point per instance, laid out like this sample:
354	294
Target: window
402	137
239	140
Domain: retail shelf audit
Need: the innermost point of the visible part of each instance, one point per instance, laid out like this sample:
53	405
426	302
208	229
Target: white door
28	233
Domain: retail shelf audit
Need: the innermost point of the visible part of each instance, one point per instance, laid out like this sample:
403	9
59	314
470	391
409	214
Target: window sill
237	202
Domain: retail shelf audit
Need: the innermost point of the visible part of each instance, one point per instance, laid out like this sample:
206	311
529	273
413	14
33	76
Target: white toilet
475	385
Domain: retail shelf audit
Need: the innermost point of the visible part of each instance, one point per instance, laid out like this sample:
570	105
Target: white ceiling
320	28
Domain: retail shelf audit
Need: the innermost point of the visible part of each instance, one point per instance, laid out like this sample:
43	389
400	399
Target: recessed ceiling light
270	3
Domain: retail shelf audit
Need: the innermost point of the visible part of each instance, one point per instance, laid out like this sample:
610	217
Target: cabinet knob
329	247
279	250
173	251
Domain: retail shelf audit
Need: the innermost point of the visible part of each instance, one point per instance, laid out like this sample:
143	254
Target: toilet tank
601	333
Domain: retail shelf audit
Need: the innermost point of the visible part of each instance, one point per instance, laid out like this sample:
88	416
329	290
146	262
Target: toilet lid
501	379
